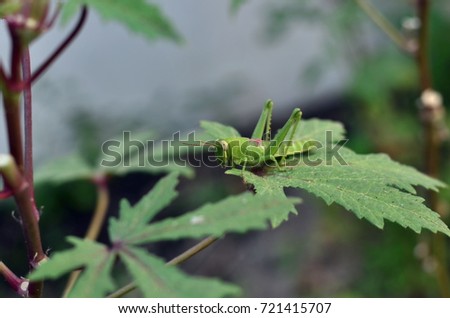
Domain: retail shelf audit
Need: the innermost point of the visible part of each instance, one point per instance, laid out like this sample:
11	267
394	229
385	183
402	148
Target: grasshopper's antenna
199	143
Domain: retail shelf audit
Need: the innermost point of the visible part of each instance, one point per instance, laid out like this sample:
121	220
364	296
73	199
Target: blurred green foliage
382	116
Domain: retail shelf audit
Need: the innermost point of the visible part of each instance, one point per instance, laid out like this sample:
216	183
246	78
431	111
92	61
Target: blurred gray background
225	70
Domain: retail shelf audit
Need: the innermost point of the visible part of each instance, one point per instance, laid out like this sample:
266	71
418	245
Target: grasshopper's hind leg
289	128
262	128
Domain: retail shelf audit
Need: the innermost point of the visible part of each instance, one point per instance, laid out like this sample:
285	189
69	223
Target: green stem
175	261
193	251
384	24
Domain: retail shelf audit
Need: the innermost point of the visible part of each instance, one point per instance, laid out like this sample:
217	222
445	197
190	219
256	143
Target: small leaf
138	15
235	214
217	130
135	165
147	155
155	279
94	258
134	219
65	169
73	167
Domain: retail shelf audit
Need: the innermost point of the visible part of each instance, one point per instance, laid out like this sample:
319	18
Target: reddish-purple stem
15	282
5	194
28	119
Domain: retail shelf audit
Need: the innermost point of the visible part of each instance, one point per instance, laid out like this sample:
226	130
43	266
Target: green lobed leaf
372	186
134	219
155	279
65	169
143	153
117	161
238	214
138	15
95	259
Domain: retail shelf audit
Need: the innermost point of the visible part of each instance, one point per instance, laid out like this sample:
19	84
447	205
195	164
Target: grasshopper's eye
223	144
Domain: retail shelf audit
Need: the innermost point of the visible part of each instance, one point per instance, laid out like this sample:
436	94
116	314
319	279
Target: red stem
5	194
20	285
28	119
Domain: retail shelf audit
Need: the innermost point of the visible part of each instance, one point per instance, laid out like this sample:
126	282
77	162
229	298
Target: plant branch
19	186
20	285
192	251
432	112
4	80
101	209
383	23
96	224
28	120
5	194
175	261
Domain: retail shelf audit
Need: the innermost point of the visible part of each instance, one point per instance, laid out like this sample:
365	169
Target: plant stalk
20	285
96	224
435	131
383	23
14	180
175	261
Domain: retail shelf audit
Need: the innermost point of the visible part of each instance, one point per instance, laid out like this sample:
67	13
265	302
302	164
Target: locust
260	150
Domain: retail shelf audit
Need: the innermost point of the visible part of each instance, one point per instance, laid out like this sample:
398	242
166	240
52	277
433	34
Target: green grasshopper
259	150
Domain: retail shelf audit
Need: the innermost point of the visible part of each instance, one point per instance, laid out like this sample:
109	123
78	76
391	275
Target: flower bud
26	18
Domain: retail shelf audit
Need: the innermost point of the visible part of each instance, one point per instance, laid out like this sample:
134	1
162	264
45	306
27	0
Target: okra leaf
372	186
134	219
142	152
155	279
117	160
65	169
139	16
93	258
236	214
